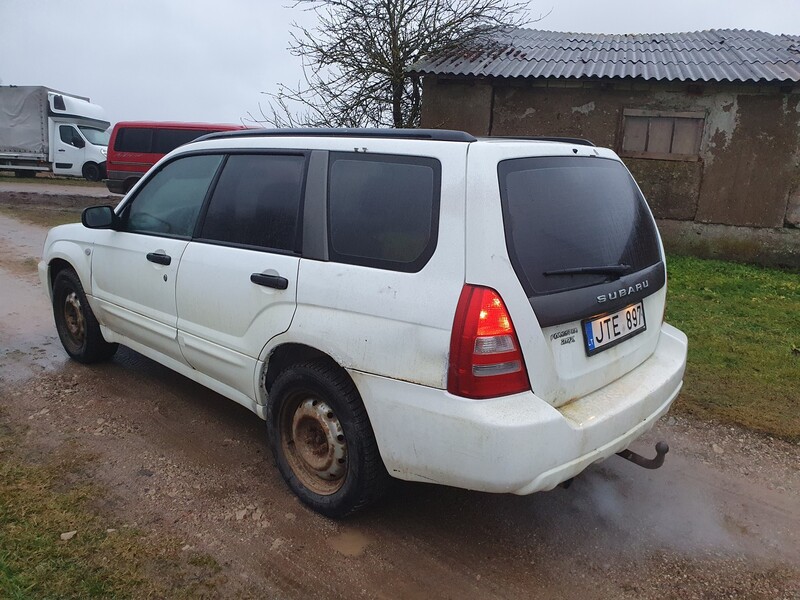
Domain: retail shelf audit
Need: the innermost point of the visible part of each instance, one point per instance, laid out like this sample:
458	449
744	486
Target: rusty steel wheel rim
313	443
74	319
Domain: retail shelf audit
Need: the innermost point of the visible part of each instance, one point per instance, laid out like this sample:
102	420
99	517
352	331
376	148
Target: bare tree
356	59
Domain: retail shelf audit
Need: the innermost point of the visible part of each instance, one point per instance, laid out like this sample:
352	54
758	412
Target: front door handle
159	258
273	281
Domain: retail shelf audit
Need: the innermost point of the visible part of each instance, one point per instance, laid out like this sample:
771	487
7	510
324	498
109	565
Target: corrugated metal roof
714	55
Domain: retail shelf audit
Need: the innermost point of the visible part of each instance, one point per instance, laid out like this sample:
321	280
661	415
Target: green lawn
743	324
8	177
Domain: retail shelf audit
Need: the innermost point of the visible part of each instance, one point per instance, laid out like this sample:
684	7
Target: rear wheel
25	174
323	441
75	322
91	171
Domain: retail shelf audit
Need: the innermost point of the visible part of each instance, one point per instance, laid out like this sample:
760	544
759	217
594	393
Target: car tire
91	171
322	439
76	324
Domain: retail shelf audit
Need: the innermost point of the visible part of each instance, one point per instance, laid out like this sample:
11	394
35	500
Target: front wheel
323	441
91	171
76	324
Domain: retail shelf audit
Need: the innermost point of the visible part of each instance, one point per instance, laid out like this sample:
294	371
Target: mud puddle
28	343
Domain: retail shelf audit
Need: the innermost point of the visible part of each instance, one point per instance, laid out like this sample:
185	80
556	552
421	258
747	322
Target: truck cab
79	137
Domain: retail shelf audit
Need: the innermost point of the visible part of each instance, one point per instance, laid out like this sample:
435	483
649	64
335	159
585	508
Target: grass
6	177
39	502
743	324
45	217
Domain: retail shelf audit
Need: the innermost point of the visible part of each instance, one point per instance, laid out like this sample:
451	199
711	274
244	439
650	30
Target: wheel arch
65	254
284	355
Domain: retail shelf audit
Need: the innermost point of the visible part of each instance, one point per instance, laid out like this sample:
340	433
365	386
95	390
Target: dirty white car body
389	326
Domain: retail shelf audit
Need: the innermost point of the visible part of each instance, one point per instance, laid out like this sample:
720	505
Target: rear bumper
517	444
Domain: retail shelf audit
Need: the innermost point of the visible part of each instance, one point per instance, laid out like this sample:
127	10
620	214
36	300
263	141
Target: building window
662	135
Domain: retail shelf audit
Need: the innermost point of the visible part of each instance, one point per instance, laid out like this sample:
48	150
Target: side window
68	134
170	201
166	140
257	202
134	139
383	211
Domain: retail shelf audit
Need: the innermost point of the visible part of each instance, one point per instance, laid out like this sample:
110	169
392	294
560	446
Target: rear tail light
485	356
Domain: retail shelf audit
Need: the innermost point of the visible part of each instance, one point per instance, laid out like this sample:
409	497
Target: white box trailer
46	130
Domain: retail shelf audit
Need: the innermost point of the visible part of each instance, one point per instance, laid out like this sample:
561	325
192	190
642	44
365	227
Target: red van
135	146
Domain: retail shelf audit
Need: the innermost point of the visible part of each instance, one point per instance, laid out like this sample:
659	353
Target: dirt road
721	519
53	188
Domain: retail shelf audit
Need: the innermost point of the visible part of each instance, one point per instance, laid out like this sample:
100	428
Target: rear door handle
159	258
273	281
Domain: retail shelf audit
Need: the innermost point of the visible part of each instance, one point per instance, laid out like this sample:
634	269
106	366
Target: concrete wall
748	172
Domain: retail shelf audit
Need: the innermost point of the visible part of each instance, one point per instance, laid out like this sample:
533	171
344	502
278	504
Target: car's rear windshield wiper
599	270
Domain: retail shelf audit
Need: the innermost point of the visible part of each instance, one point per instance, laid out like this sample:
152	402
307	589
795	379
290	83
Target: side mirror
77	141
99	217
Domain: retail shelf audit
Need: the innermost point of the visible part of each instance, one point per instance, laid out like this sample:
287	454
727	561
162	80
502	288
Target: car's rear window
571	213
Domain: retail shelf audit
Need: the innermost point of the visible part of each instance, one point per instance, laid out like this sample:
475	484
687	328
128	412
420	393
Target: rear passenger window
134	139
166	140
257	202
383	211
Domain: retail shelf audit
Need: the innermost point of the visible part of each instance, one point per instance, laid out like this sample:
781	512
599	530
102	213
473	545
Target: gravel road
721	519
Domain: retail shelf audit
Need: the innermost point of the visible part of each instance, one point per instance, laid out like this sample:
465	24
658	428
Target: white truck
44	130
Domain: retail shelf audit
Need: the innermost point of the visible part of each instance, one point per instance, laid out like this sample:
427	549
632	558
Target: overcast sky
201	60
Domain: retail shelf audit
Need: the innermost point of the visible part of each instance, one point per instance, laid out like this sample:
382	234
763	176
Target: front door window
169	203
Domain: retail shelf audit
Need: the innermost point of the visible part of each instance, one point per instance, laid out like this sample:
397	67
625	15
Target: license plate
600	333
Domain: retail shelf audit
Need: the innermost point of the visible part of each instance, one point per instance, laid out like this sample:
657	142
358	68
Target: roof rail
546	138
441	135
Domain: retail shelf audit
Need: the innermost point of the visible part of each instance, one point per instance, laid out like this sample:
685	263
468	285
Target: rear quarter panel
386	322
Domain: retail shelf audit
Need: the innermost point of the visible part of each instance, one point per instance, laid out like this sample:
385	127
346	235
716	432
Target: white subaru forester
425	305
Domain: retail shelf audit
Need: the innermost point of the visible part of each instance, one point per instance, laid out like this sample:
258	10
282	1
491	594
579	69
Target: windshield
574	222
95	136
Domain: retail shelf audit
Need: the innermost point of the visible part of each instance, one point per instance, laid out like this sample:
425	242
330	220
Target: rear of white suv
486	314
560	356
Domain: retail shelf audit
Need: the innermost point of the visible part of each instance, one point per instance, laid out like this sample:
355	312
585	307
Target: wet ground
54	187
721	519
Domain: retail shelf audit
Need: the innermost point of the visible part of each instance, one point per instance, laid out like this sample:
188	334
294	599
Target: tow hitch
648	463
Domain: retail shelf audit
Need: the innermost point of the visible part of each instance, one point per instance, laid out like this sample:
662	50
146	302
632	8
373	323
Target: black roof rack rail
441	135
546	138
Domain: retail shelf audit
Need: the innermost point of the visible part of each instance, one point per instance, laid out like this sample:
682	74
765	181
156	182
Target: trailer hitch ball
648	463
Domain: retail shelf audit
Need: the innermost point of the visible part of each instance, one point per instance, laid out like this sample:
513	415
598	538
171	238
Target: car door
237	282
134	267
69	151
